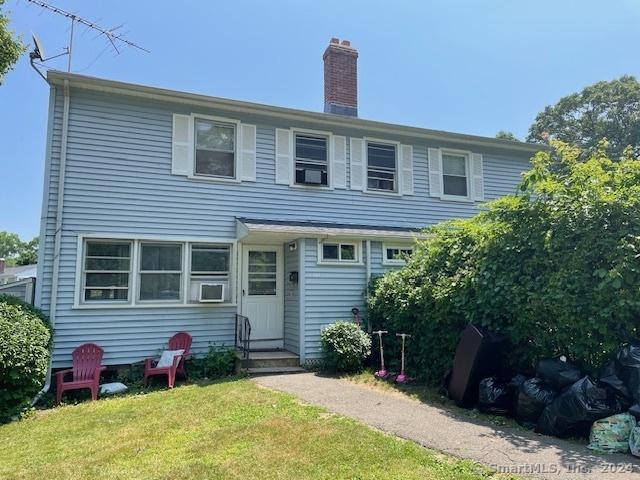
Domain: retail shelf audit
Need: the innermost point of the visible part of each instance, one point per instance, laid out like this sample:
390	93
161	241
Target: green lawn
230	429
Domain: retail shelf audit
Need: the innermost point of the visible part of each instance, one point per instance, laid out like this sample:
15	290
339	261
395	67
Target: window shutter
477	177
182	148
338	161
284	157
357	164
435	172
247	152
406	167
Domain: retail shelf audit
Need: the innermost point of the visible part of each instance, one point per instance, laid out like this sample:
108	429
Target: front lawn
230	429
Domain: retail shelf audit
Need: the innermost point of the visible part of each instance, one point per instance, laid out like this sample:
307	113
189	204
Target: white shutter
477	176
284	157
182	148
406	169
247	152
338	161
357	164
435	172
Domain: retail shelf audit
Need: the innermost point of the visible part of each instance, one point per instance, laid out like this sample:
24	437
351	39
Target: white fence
23	289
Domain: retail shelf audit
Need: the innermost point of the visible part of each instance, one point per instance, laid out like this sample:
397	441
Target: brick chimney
341	78
3	263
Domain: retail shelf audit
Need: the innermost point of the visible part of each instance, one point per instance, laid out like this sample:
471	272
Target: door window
262	273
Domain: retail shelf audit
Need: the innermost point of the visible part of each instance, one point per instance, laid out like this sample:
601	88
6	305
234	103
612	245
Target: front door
262	298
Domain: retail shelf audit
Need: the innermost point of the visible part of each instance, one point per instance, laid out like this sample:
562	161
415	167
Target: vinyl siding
331	291
291	302
118	181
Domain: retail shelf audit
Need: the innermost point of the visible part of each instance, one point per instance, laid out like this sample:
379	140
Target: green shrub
345	347
555	268
217	362
25	339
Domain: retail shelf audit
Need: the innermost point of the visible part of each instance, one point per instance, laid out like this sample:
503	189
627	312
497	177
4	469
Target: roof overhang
55	77
267	231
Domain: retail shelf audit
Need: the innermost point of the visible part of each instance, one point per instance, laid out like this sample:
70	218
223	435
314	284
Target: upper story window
106	271
382	164
338	252
455	174
311	160
215	148
160	272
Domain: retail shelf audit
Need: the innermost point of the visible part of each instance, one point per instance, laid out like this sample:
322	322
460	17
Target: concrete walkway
502	448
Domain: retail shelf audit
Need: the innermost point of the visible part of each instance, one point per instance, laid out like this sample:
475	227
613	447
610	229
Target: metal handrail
243	335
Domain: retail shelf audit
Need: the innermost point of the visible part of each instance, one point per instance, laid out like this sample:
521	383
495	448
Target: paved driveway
503	448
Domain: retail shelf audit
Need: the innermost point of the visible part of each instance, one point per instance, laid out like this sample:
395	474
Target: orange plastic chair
180	341
85	371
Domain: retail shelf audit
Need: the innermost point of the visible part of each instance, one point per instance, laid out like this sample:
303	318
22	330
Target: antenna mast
108	33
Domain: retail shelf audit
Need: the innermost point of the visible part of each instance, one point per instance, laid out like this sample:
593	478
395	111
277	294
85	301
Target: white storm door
262	294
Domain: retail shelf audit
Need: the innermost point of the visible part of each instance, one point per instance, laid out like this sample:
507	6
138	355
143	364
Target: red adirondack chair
180	341
85	371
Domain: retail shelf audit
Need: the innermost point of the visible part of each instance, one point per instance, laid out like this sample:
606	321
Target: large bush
25	338
345	347
555	268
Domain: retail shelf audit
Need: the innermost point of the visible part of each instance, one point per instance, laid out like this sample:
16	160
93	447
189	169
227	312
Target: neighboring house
167	211
18	281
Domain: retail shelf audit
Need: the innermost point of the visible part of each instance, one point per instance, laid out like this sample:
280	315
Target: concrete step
268	370
273	359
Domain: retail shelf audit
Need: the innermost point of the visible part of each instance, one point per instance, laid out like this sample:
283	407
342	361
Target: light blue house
166	211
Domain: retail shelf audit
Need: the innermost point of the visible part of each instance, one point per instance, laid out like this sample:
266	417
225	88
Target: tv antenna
110	34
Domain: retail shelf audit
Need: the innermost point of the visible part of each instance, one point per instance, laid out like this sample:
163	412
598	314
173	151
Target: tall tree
9	245
608	110
28	253
506	135
17	252
10	46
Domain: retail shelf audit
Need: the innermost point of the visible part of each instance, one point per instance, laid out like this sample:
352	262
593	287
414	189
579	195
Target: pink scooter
382	373
402	378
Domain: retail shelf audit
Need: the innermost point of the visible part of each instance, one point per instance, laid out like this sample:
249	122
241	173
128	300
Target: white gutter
53	304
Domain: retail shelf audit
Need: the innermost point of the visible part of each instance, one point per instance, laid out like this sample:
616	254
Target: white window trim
340	241
138	272
385	246
457	198
366	189
318	133
83	276
133	302
236	146
189	273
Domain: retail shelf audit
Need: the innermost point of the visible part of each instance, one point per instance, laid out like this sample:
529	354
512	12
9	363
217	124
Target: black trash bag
514	387
493	396
628	366
573	412
533	397
610	377
635	411
557	373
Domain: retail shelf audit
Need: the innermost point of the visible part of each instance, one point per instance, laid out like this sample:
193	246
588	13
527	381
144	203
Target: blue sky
473	66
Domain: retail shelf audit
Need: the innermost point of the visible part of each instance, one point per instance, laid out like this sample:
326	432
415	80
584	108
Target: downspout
368	266
366	287
58	235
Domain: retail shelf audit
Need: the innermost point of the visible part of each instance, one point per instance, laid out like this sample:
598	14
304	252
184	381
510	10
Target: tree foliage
506	135
604	110
17	252
10	46
555	268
